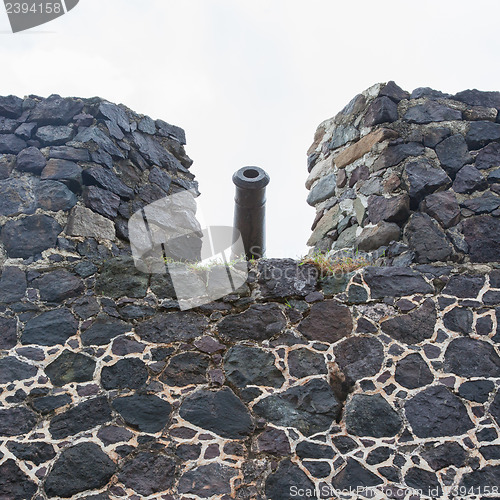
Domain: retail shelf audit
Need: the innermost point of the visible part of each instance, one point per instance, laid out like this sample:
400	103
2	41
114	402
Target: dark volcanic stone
25	130
101	201
394	91
281	484
69	153
130	373
464	286
476	97
437	412
16	421
14	483
55	110
207	480
371	415
359	357
79	468
11	370
471	358
306	449
172	131
304	363
113	434
11	106
488	157
459	319
8	333
286	278
119	277
51	135
146	413
482	234
259	322
435	135
8	126
83	417
38	453
310	408
423	179
431	111
494	177
245	365
379	455
48	404
26	237
59	285
151	149
412	372
484	204
453	154
148	473
160	178
328	321
17	197
427	239
185	369
393	155
104	178
70	367
220	412
395	282
11	144
353	476
115	114
67	172
177	326
478	480
275	442
444	455
443	207
490	452
12	285
31	160
55	196
381	110
50	328
414	327
395	209
481	133
424	481
103	330
468	180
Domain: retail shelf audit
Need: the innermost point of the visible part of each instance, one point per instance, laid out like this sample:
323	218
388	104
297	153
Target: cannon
250	210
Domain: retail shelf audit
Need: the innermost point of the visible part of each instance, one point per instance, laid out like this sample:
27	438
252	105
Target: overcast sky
250	80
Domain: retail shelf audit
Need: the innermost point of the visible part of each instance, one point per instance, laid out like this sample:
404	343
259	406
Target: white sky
250	81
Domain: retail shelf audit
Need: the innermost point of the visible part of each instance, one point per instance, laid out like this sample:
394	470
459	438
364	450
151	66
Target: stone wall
296	386
415	175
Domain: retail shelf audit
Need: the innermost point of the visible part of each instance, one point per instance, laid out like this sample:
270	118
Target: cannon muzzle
250	210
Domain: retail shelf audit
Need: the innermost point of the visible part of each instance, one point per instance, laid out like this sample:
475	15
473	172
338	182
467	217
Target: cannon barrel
250	210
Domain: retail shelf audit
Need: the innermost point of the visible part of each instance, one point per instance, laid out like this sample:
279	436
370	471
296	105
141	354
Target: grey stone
55	110
31	160
414	327
84	222
67	172
436	412
50	328
427	239
245	365
55	196
443	207
468	180
17	196
431	111
27	237
377	236
309	408
51	135
371	415
220	412
324	189
342	135
79	468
